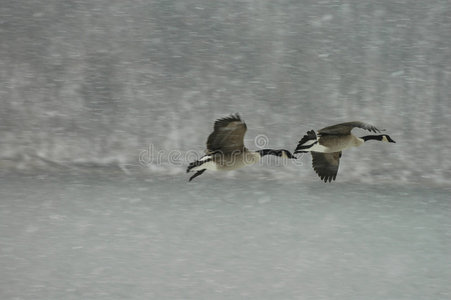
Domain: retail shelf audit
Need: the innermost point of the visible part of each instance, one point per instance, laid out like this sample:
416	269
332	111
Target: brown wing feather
228	135
326	164
345	128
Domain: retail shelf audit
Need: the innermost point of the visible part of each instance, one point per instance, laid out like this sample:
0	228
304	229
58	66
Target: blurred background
98	82
104	103
95	83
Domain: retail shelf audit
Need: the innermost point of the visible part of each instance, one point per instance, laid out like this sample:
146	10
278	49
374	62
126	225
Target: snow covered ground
111	236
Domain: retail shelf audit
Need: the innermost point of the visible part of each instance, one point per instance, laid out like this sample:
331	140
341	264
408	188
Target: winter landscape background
99	81
104	103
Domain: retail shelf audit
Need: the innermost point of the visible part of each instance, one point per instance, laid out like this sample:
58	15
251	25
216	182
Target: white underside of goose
208	165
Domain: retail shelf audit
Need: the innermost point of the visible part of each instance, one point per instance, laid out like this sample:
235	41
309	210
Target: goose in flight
326	145
226	150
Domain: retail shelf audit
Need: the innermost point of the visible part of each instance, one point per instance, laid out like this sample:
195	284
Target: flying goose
226	150
326	145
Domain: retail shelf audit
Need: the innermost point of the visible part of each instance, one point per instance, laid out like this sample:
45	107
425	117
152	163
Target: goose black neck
280	153
264	152
372	137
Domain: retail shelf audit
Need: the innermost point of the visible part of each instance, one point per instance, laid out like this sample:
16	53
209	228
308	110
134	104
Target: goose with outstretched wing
327	144
226	150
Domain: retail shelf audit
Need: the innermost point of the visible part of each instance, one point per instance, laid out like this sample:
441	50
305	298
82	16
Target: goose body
227	162
326	145
331	144
226	150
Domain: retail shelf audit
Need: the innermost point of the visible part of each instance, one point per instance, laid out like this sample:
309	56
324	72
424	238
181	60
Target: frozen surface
98	236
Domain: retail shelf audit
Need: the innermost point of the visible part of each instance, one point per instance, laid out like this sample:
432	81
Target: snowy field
134	87
136	237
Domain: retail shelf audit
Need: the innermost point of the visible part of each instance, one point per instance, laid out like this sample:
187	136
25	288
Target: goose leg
197	174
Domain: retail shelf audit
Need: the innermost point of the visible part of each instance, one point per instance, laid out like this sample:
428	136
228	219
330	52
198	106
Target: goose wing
228	135
345	128
326	164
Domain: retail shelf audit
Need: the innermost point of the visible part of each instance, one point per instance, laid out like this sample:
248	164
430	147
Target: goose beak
389	139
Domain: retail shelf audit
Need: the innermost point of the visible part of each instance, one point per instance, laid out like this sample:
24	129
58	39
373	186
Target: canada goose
226	150
326	145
